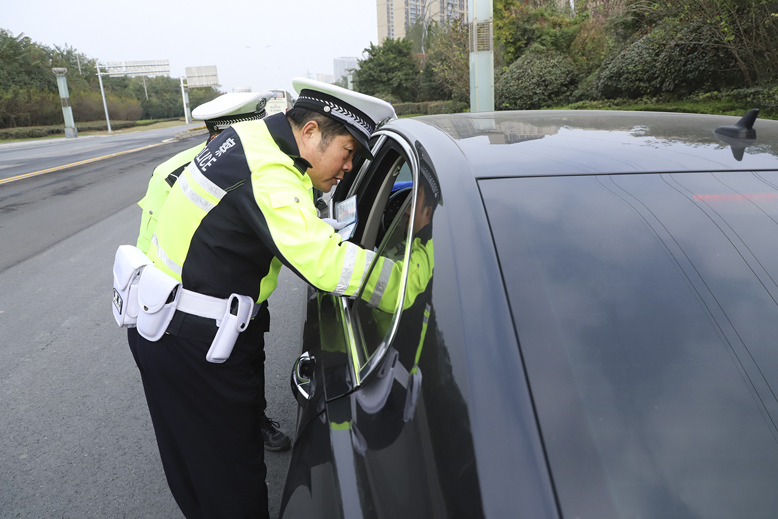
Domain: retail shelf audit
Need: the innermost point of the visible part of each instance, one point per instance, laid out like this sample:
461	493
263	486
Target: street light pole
185	96
102	91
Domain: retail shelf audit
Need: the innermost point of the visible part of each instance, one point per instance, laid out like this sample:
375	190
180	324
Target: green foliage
29	95
389	69
449	63
24	64
431	86
746	29
518	26
430	108
764	98
541	77
670	59
421	34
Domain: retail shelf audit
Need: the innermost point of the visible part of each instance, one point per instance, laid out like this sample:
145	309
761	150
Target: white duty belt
147	298
209	307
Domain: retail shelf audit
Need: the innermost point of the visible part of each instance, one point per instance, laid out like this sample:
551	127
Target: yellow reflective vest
160	183
242	209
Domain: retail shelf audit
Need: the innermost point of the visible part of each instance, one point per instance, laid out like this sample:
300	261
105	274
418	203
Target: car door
362	448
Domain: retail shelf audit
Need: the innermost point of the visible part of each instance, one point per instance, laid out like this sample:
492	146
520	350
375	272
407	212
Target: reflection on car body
591	335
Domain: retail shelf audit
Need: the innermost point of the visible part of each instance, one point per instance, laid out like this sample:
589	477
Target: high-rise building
340	65
325	78
395	16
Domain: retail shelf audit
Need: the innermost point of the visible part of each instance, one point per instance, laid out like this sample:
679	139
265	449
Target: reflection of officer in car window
383	285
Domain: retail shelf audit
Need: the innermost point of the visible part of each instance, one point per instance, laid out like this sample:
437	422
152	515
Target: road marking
79	163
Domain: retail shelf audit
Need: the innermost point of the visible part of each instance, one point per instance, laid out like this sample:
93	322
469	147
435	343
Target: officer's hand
334	223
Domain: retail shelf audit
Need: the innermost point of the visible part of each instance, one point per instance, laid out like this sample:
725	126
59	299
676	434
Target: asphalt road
75	436
17	158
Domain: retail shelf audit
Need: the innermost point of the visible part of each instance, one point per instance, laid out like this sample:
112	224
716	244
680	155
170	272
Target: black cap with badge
359	113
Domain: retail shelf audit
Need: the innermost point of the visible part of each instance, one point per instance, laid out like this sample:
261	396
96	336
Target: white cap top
238	103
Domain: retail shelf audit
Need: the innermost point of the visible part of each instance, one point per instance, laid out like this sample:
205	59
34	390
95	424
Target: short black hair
329	127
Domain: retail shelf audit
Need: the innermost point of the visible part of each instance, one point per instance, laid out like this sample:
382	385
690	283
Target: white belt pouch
158	295
127	268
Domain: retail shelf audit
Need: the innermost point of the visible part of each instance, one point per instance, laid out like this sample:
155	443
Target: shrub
410	108
540	77
446	107
88	106
663	61
430	108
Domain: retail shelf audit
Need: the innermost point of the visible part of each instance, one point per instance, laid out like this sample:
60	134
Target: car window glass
645	307
404	176
380	297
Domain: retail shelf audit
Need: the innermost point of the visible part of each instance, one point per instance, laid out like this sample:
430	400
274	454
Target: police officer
238	212
218	115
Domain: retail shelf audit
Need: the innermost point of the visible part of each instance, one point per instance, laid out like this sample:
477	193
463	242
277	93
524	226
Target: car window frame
361	371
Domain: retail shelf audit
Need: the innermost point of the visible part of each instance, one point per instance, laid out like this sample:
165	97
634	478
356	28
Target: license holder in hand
346	212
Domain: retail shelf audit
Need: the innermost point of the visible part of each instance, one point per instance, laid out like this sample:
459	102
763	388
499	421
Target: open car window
385	200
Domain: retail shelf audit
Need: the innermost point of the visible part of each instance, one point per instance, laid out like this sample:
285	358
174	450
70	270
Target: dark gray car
574	316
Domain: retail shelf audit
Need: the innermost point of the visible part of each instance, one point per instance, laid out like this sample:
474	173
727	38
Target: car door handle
302	373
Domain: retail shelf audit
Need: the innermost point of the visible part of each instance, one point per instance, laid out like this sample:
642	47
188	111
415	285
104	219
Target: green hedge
430	108
31	132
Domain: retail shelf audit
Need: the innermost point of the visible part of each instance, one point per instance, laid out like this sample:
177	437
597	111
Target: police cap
228	109
359	113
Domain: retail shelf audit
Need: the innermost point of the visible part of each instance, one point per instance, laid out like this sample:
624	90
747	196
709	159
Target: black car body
593	335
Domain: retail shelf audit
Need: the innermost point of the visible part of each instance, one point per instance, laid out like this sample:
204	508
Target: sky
257	44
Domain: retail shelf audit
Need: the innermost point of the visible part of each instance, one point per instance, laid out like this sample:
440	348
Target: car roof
585	142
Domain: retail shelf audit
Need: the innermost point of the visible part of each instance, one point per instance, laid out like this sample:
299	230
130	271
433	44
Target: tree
449	59
389	69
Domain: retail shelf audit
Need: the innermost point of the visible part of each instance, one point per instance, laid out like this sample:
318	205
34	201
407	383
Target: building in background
394	16
325	78
343	65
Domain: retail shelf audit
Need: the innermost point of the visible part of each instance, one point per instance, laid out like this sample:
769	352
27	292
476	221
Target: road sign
147	68
202	76
114	68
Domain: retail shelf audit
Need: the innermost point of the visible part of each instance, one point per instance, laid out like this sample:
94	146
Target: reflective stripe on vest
348	268
169	263
380	286
369	255
205	184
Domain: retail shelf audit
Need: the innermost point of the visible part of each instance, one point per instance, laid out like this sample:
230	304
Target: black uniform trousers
207	416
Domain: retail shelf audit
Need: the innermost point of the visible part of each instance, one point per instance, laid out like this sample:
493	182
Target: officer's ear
310	134
310	128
